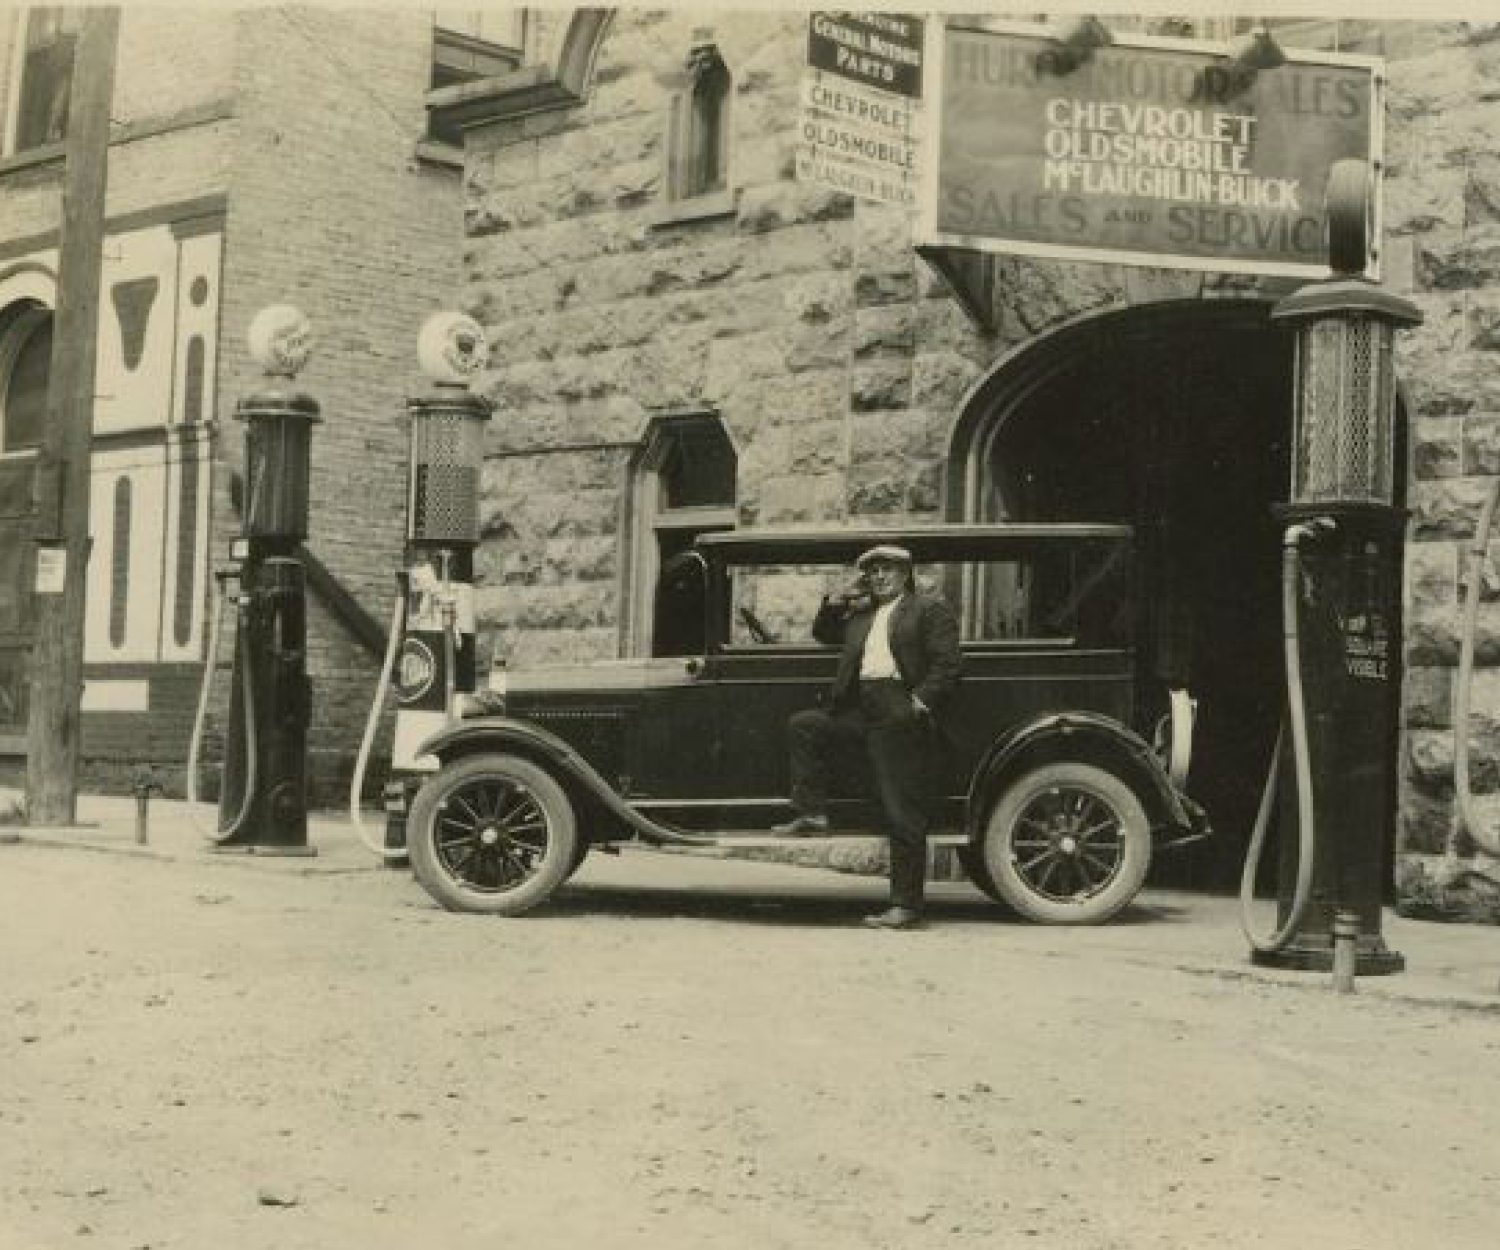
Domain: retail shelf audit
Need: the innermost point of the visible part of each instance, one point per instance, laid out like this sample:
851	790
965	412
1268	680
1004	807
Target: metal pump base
1314	953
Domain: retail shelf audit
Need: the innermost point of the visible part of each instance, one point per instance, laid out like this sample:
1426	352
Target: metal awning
971	276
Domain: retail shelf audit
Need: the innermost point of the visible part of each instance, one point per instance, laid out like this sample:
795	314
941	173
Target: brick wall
330	211
171	64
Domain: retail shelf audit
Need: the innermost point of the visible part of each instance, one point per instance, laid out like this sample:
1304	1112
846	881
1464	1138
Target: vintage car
1052	797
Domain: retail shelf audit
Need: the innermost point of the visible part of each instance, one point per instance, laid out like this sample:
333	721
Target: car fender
482	734
1091	738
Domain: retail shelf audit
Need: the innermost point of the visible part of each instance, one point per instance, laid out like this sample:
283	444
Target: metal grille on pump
447	448
1344	439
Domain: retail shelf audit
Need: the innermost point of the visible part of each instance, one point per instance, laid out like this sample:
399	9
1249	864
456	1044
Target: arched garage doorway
1173	418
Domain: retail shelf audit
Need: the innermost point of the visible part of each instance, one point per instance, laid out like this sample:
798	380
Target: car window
1078	594
776	603
1075	594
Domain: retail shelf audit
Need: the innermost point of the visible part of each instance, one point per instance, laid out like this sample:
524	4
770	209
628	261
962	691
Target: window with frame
44	76
684	486
698	142
468	44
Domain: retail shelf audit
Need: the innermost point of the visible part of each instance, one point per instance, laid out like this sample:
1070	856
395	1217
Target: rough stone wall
838	359
1443	251
602	317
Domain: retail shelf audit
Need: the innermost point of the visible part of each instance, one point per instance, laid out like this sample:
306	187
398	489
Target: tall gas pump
1341	587
430	661
263	797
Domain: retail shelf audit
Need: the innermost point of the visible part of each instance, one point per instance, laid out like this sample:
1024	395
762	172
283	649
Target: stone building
687	337
258	156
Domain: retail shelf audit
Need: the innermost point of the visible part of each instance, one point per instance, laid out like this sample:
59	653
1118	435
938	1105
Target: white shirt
877	661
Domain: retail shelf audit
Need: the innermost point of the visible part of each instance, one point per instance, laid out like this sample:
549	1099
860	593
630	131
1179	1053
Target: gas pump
263	795
1340	588
431	656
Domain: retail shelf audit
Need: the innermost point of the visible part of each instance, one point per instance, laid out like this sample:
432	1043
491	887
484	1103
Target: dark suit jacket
924	643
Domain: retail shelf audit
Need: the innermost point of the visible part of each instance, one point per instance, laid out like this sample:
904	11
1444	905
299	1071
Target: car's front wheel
1067	843
492	833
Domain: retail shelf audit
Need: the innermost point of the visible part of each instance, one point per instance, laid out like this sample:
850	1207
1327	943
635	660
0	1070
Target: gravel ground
688	1053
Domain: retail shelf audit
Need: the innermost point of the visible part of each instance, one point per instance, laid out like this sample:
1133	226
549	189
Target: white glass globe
280	339
452	347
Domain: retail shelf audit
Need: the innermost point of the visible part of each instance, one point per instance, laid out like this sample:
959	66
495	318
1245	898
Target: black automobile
1052	796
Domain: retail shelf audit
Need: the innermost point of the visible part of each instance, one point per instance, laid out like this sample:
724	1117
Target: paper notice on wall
51	570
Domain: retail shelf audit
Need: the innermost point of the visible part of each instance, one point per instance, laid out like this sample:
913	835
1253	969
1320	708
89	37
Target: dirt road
222	1057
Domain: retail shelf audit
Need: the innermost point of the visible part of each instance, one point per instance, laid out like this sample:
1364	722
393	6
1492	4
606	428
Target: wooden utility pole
63	471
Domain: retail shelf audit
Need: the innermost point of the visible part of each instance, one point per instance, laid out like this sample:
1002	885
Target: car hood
604	675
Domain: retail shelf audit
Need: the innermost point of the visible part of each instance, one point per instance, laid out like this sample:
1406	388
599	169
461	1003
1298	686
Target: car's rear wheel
1067	843
492	833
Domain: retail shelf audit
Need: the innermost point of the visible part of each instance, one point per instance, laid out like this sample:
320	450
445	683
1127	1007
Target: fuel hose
200	718
1296	720
357	781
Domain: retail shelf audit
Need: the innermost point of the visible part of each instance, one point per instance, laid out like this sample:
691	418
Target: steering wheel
756	626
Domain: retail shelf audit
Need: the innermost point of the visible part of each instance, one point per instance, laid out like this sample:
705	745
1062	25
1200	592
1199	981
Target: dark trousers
898	745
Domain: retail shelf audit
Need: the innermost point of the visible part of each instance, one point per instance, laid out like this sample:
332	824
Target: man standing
899	663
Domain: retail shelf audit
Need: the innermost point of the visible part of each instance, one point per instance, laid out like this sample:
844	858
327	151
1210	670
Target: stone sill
50	154
439	154
498	97
711	207
34	158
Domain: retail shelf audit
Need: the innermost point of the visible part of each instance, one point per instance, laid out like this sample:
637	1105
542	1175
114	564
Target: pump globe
452	347
280	339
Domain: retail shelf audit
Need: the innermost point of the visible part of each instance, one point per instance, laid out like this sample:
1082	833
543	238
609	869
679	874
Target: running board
756	839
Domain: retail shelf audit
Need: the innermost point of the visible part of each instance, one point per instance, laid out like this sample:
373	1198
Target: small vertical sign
51	569
861	104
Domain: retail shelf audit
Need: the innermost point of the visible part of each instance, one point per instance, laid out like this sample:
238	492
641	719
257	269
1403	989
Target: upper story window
469	44
25	366
43	77
698	144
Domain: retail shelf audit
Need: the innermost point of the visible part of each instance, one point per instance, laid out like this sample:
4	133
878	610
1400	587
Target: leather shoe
803	826
895	918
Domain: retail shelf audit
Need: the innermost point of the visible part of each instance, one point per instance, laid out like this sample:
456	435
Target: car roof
948	541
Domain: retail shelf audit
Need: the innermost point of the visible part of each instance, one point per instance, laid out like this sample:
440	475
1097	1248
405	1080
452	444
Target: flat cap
885	552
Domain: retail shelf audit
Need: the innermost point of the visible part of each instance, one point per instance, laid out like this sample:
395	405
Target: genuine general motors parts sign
1151	152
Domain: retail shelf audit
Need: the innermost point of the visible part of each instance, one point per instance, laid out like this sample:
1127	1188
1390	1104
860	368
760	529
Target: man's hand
919	707
852	596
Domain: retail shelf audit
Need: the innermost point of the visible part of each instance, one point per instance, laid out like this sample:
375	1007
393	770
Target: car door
764	666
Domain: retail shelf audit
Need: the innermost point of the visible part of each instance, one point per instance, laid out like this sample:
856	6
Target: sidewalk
1449	965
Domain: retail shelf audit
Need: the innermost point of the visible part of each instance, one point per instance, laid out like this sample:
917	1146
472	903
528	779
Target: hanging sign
1150	152
859	127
